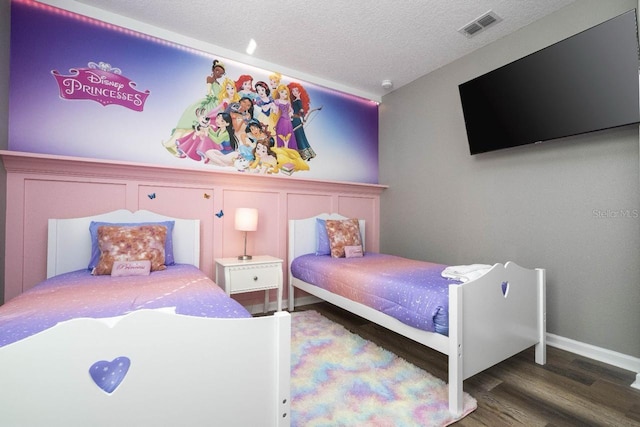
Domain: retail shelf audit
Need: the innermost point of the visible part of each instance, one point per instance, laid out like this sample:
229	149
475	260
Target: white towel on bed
465	273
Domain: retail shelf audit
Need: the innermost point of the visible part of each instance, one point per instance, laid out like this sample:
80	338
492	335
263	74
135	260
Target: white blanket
465	273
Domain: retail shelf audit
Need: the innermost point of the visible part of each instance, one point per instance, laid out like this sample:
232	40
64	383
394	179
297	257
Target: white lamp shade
246	219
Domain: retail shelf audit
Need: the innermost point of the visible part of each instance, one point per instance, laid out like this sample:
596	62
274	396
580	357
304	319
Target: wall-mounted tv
585	83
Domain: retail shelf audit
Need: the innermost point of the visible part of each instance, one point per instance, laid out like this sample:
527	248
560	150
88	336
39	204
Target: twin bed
477	323
171	348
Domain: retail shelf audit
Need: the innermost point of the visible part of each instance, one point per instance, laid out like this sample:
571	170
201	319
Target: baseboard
306	300
600	354
273	305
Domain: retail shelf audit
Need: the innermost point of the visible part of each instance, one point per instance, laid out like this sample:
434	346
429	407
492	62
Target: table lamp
246	220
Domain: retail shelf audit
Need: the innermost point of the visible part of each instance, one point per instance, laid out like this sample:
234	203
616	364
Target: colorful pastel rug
341	379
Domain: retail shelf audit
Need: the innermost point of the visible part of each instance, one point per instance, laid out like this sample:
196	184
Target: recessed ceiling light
251	47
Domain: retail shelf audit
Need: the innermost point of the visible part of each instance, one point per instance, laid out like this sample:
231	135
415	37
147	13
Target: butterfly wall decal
220	214
152	196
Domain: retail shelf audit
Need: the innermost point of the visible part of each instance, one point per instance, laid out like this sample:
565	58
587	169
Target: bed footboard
150	368
493	318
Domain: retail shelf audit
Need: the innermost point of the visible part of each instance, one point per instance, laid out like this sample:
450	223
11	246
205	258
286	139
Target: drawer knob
255	278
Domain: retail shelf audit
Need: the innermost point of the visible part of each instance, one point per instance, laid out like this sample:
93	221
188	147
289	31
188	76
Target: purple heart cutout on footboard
108	375
505	289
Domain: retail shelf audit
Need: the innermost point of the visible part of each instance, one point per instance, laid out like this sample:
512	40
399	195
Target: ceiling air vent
480	23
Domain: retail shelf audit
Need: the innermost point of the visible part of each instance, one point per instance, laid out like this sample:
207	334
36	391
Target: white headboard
69	242
302	234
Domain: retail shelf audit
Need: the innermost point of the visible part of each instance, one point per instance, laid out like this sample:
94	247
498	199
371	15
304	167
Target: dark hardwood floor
570	390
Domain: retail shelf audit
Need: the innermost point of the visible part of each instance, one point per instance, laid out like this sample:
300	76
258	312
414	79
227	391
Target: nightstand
262	272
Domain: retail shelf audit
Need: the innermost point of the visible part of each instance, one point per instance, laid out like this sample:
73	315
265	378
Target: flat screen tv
585	83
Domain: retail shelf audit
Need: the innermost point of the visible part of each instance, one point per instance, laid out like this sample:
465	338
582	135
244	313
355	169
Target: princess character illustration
300	106
195	143
210	101
265	160
225	137
284	129
244	86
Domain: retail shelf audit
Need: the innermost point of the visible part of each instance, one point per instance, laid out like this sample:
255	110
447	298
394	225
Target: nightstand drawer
256	277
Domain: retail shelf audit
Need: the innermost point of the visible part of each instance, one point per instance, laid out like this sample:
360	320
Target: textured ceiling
354	43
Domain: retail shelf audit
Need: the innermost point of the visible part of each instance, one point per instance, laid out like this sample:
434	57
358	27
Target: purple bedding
411	291
79	294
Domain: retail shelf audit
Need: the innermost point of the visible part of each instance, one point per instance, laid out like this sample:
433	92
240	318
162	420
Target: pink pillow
131	268
353	252
145	242
345	232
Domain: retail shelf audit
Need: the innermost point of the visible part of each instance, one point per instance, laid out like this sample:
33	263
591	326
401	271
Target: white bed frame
486	326
184	370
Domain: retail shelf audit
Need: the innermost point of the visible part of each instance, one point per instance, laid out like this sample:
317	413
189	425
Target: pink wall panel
184	202
40	187
44	199
307	205
266	239
363	208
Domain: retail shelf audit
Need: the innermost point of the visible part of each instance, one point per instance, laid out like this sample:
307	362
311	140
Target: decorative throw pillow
145	242
131	268
353	252
343	233
95	250
322	238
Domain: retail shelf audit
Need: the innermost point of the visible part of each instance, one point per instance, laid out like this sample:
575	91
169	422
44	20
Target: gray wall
548	205
4	120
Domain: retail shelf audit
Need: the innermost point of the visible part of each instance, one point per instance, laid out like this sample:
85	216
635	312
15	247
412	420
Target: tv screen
585	83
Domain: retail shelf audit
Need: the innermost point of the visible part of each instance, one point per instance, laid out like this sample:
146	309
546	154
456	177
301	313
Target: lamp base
244	257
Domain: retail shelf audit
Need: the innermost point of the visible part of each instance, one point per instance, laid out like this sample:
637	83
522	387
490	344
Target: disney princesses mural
201	111
228	129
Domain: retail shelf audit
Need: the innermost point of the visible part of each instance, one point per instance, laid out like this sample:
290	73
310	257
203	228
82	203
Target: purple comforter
414	292
79	294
